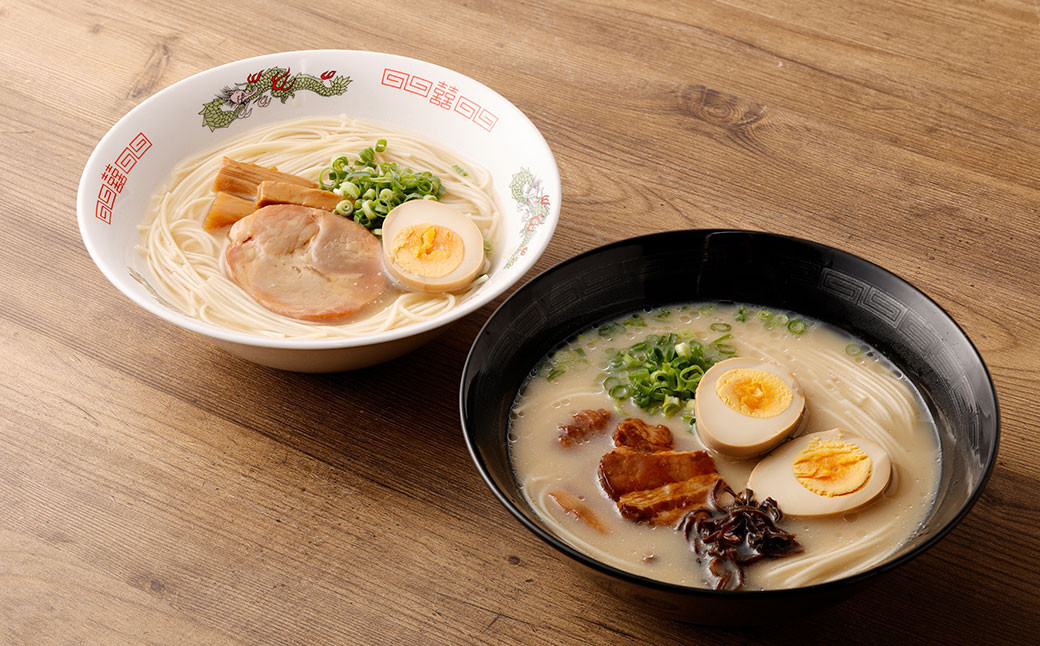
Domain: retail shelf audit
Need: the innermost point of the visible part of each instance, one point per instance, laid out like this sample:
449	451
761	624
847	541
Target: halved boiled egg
431	247
745	406
822	473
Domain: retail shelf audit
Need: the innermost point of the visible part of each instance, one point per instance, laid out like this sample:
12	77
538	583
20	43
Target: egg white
731	433
774	478
443	215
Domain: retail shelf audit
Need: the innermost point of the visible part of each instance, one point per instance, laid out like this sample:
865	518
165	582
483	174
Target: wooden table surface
154	489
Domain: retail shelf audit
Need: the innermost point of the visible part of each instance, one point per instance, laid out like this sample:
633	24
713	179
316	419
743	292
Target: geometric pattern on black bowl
771	270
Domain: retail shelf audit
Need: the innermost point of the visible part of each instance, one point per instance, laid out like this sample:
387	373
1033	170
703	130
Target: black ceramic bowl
763	269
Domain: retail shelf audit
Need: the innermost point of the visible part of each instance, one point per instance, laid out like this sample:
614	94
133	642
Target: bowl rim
535	248
674	588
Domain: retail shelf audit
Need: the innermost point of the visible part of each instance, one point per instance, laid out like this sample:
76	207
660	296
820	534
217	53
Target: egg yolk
428	250
754	393
832	467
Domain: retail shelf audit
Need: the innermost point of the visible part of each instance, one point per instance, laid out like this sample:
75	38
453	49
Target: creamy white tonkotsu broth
845	384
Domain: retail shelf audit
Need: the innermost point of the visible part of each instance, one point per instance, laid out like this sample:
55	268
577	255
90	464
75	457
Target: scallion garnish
562	361
372	189
661	372
797	326
853	350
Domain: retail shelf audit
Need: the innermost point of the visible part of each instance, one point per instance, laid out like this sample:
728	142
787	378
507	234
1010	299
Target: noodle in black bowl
342	137
832	286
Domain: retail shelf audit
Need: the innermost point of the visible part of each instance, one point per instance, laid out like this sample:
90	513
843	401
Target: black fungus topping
729	536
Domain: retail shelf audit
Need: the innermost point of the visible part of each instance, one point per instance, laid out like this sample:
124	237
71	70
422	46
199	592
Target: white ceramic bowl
135	157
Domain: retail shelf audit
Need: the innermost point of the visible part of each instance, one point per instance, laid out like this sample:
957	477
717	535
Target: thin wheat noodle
187	263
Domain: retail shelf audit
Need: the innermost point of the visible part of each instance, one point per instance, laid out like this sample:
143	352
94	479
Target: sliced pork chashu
624	469
305	263
637	434
583	426
666	504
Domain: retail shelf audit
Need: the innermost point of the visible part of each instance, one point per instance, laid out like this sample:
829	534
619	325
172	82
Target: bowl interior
759	268
134	159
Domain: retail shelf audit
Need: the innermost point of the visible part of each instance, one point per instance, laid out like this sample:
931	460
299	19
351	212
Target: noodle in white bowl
188	264
151	222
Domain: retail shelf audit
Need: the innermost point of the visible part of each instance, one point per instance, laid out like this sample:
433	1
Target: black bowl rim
823	588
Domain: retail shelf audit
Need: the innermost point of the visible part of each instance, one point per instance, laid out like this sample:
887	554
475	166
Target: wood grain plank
152	486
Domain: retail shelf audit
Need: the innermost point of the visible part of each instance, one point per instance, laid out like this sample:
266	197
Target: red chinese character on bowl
443	95
114	178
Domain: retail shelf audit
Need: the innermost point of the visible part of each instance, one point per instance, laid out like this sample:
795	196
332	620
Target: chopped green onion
661	373
721	327
853	349
780	319
683	350
344	208
765	315
706	309
670	406
379	187
797	326
742	315
459	169
554	373
691	374
609	330
350	189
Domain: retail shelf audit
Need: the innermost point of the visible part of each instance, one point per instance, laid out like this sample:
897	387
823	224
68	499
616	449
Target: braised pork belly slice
583	425
637	434
305	263
666	504
624	469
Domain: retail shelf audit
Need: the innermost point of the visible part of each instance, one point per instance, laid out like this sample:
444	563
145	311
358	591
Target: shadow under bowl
765	269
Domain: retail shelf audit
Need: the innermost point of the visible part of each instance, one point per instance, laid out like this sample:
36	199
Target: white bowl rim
478	300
